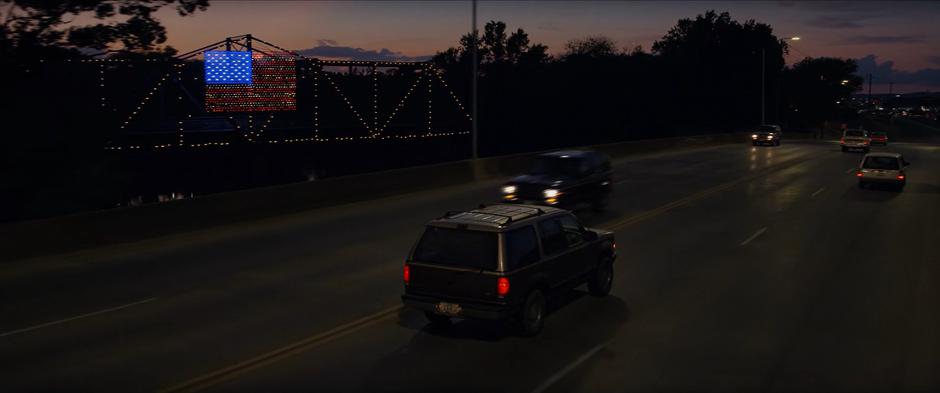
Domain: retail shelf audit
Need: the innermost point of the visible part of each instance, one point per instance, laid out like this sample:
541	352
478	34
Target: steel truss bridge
337	101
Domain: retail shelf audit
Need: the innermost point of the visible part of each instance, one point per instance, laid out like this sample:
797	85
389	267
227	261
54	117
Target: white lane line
818	191
561	374
91	314
754	236
850	170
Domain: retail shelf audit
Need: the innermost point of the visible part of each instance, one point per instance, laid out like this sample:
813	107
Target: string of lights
273	88
145	100
103	101
430	97
316	101
401	104
301	140
348	103
452	95
375	100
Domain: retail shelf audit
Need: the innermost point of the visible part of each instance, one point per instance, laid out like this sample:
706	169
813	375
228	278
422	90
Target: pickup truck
500	262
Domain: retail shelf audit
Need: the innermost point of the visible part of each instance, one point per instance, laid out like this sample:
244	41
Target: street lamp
763	79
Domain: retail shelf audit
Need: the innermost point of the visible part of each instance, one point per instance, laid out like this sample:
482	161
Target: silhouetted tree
592	47
45	27
494	47
714	62
814	86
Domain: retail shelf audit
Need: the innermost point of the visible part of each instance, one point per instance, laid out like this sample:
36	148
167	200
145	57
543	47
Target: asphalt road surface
740	268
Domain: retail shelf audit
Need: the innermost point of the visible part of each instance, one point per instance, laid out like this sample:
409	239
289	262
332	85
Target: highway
740	268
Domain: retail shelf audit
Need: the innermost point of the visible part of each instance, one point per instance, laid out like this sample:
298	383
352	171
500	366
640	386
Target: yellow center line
227	373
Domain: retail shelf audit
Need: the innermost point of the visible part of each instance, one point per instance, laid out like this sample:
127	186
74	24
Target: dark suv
499	262
563	179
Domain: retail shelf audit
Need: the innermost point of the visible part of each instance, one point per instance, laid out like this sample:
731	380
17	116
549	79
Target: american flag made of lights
250	81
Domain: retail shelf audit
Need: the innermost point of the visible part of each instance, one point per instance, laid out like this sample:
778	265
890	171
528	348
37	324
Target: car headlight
754	136
770	137
509	189
551	193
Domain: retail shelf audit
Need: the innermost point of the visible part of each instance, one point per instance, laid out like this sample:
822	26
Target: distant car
767	134
879	138
563	179
500	262
882	168
855	139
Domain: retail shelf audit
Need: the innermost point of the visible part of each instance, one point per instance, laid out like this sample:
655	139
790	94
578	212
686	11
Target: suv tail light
841	140
858	173
406	274
901	177
502	286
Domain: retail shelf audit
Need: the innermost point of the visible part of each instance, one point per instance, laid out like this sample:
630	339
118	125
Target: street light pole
473	54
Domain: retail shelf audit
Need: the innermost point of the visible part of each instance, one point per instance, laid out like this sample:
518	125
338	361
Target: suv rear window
458	247
886	163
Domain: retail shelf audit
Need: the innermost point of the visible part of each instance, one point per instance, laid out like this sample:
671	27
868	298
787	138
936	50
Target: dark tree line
702	76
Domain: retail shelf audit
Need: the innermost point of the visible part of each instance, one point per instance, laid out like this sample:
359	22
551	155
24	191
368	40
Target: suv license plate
450	309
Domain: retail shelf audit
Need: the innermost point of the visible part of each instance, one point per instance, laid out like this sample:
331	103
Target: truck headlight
509	189
551	193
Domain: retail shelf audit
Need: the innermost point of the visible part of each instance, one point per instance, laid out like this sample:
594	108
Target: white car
882	168
855	139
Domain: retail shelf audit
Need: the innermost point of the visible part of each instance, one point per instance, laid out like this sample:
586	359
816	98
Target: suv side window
553	236
594	161
585	167
522	248
605	163
572	230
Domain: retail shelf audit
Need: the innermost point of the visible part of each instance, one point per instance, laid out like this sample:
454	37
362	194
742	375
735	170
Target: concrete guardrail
127	224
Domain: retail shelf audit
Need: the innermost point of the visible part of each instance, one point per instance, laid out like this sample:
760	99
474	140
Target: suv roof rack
504	214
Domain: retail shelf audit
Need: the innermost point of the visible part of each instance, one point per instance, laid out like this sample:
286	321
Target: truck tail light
502	286
406	274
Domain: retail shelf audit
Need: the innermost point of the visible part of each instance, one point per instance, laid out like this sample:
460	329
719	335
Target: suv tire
602	279
532	315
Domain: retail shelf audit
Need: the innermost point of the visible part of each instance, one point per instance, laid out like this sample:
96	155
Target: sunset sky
896	41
